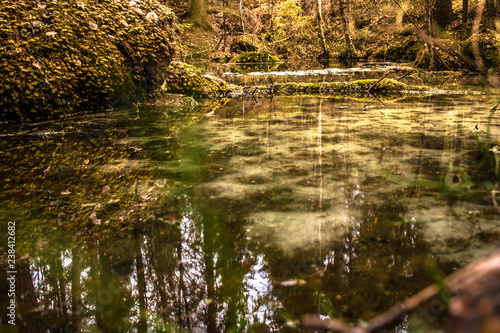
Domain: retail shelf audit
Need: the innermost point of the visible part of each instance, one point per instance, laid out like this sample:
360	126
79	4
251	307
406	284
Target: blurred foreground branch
473	285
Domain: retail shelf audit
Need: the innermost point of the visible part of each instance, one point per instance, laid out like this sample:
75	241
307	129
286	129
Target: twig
405	75
373	85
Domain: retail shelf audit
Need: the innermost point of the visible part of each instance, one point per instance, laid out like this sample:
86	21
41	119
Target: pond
179	216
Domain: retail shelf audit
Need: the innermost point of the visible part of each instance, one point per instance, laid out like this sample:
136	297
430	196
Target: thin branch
373	85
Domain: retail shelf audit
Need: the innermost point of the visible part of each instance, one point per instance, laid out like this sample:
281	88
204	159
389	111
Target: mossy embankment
384	86
59	57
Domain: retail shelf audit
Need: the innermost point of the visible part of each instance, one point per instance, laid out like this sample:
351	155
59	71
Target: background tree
198	15
491	14
465	11
442	13
319	19
345	9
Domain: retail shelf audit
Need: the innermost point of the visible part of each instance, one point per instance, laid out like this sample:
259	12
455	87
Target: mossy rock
60	57
254	57
442	60
186	79
254	67
242	44
488	49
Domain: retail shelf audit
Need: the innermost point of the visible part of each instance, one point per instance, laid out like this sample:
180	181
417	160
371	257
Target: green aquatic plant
59	57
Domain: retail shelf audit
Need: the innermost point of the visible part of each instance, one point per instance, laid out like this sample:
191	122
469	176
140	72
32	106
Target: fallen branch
373	85
470	278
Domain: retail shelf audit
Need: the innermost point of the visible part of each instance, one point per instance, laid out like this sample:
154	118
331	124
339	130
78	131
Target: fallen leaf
151	16
66	192
92	25
52	34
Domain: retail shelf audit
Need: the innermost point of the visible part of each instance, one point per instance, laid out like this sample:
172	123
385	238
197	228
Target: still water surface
246	218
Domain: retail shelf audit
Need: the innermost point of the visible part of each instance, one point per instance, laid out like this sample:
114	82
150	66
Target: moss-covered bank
360	86
188	80
58	57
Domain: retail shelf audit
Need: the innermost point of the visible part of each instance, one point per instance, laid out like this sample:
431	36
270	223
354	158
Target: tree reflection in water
290	207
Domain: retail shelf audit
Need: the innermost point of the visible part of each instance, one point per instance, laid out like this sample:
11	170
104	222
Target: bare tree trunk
241	17
198	15
344	8
272	14
141	287
430	31
491	13
465	11
319	19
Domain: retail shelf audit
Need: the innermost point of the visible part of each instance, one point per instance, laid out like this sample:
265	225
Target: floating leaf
41	5
52	34
36	23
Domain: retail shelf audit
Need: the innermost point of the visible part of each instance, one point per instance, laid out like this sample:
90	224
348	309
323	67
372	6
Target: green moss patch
359	86
252	57
186	79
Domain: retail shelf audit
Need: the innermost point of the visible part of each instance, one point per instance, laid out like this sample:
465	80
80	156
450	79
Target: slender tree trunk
442	13
76	299
430	31
271	5
198	15
241	17
491	13
344	8
465	11
319	20
26	299
141	287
